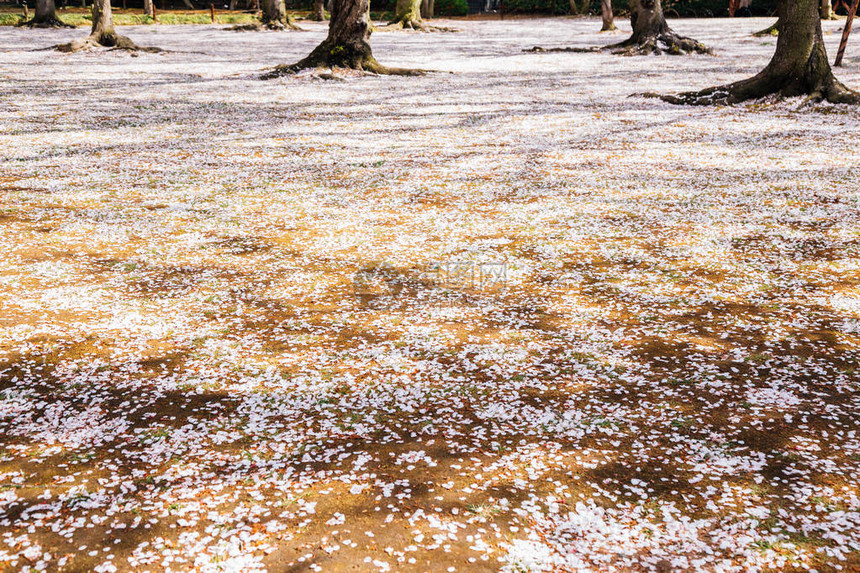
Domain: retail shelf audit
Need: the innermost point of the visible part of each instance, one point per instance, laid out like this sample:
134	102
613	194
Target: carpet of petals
225	344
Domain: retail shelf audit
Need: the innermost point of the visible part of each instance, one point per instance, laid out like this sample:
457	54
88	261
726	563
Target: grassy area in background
82	17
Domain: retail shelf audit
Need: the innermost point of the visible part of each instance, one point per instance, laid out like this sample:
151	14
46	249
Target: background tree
798	67
274	15
581	9
346	46
46	16
147	8
607	16
318	13
428	8
652	35
102	33
407	14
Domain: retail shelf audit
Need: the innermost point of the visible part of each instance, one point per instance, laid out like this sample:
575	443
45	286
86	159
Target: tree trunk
431	9
274	15
318	14
347	44
607	15
574	8
652	35
827	10
46	16
102	33
147	8
798	67
407	14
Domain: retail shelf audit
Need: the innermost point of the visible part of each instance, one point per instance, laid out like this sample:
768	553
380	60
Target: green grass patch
80	17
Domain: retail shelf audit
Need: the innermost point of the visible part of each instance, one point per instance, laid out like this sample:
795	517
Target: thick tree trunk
652	35
46	16
607	16
147	8
798	67
102	32
407	14
347	44
318	14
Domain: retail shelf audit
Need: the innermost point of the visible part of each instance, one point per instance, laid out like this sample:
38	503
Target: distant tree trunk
407	14
347	44
188	4
274	15
607	16
652	35
431	9
798	67
147	8
827	10
318	14
46	16
102	33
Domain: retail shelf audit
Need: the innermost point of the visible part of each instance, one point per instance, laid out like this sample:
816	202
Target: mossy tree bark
346	46
607	16
102	34
407	14
798	67
46	16
652	35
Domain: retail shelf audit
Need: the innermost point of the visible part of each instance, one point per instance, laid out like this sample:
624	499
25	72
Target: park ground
502	316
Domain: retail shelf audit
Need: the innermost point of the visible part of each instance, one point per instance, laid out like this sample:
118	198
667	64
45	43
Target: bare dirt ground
501	318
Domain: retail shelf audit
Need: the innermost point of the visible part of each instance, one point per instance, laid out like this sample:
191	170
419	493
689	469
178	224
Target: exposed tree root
540	50
828	89
416	25
327	57
112	41
667	42
769	31
53	22
274	25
